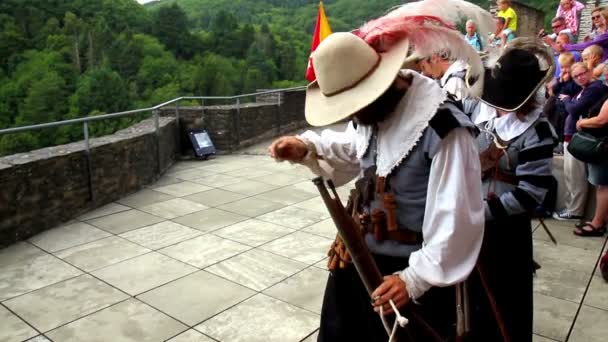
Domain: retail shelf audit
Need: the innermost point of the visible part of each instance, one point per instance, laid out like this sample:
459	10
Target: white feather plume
451	11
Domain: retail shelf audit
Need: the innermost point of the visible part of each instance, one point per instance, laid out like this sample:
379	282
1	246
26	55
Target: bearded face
380	109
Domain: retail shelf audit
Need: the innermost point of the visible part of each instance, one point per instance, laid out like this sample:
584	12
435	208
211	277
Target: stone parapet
43	188
236	126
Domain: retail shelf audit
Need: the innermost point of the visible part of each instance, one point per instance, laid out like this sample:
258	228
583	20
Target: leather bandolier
381	223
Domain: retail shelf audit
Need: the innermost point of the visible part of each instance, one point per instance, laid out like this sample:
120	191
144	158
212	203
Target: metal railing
155	113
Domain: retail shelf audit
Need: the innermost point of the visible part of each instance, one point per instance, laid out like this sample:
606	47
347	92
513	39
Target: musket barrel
351	236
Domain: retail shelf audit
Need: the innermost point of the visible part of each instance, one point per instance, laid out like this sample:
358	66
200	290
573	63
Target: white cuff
415	285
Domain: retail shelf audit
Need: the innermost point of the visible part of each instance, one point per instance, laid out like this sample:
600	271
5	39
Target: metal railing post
177	128
279	114
157	138
237	121
87	150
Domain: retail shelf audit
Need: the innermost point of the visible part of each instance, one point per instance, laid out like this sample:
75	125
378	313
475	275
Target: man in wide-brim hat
517	143
408	142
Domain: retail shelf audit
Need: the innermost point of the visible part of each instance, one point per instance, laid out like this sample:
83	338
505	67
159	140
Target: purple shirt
601	40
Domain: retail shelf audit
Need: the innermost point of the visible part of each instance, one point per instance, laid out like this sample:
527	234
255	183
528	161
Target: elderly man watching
472	37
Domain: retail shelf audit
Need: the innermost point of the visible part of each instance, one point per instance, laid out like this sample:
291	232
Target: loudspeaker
201	143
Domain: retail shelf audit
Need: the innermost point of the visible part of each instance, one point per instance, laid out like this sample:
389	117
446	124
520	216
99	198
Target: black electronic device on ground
201	143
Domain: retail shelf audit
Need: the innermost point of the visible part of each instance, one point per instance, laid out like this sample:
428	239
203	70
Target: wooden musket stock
360	255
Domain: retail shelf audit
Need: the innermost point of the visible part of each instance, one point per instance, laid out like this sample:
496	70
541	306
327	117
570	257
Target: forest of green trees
62	59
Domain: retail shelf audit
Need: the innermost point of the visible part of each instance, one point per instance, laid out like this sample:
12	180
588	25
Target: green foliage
63	59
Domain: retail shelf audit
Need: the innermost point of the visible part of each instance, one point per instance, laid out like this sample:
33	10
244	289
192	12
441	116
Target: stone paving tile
591	325
143	198
280	179
204	250
210	219
249	187
313	204
261	319
567	257
564	236
129	321
183	189
325	228
223	166
561	283
215	197
64	302
101	253
256	269
67	236
164	181
143	273
39	338
21	251
108	209
189	174
251	207
32	274
161	235
173	208
283	167
303	247
191	336
253	232
249	172
553	317
197	297
12	328
305	289
597	295
293	217
125	221
322	264
287	195
217	180
538	338
312	338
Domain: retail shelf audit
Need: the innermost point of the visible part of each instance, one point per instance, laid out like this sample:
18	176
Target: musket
361	257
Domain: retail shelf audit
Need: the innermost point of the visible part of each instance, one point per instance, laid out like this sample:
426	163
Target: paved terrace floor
231	249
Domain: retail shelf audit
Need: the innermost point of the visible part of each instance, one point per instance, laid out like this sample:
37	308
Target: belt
381	232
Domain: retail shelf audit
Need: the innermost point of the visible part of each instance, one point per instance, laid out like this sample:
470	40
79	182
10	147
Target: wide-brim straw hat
350	76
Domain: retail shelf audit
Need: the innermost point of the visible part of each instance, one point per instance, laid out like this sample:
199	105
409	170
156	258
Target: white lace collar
400	132
507	127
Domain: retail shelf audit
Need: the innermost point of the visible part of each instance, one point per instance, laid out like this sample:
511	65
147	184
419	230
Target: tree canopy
62	59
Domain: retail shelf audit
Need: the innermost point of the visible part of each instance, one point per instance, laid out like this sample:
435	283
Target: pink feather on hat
428	25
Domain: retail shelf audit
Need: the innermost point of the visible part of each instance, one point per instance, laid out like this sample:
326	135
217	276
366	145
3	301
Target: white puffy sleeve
332	154
453	219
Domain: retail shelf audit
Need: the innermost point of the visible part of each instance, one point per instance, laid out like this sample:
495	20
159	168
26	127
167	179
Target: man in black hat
516	162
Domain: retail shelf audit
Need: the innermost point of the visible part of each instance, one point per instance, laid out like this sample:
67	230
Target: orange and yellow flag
322	30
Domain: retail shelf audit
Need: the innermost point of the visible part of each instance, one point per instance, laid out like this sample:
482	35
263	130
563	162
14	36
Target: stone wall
232	127
43	188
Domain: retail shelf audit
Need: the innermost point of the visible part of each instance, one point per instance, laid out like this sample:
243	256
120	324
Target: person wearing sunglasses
558	26
598	24
575	173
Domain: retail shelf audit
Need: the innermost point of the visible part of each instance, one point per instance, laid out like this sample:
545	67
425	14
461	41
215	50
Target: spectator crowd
576	101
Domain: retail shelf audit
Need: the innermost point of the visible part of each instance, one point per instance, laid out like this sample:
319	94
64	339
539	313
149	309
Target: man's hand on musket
392	288
288	148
